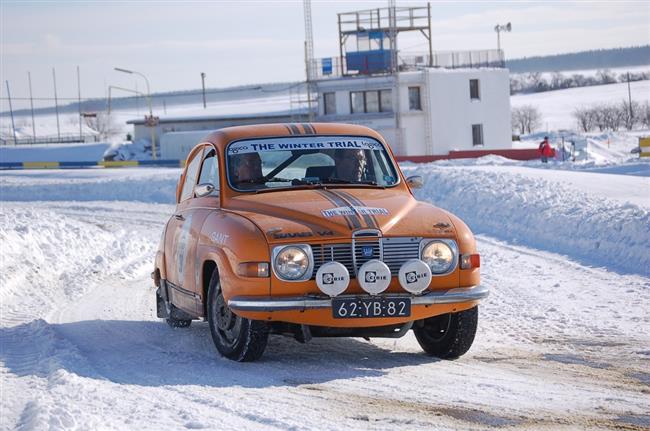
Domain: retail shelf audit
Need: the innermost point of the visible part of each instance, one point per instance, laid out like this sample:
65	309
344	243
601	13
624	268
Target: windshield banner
303	143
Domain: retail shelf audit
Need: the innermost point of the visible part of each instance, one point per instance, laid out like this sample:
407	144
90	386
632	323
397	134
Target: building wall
444	122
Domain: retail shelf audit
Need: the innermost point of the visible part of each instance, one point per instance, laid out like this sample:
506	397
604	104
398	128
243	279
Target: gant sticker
353	210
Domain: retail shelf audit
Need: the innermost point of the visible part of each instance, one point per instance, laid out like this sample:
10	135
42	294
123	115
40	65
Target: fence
336	67
69	138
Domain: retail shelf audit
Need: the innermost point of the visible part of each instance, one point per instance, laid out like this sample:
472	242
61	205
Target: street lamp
499	28
153	136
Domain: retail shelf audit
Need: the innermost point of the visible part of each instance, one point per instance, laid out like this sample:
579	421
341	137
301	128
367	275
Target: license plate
346	308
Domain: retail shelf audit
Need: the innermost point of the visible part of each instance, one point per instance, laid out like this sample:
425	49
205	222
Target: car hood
337	212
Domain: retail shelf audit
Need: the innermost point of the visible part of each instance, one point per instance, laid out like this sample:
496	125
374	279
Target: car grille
392	251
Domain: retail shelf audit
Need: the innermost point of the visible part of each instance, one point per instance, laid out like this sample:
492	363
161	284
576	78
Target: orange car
312	230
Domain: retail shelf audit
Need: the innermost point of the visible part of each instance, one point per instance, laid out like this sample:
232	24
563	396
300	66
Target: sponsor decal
372	277
413	277
330	278
182	245
306	143
281	235
353	210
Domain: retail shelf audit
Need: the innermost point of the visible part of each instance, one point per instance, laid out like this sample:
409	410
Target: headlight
440	256
292	262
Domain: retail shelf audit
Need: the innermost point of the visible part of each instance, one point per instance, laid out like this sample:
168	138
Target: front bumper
266	304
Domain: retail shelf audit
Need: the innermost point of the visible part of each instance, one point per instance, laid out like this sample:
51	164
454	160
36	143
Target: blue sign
327	66
366	250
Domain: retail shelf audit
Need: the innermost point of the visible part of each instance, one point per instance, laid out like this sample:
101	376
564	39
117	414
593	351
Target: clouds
248	42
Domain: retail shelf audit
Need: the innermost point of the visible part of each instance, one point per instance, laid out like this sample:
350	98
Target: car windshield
258	164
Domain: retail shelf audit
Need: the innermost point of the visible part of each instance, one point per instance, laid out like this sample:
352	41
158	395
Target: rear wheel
447	336
235	337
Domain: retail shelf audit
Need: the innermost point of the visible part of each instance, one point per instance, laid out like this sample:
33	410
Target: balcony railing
336	67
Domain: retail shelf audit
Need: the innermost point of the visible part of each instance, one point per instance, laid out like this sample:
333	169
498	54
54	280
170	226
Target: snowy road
561	345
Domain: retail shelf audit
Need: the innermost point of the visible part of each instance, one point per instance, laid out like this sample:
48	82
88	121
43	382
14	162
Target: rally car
312	230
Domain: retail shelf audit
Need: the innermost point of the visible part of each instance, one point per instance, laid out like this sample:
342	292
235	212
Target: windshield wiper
343	181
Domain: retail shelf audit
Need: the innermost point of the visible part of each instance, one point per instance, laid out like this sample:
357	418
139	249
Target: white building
438	111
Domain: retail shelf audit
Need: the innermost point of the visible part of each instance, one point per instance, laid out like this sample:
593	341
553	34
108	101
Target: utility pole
392	22
202	85
79	103
56	107
309	55
31	104
629	97
11	111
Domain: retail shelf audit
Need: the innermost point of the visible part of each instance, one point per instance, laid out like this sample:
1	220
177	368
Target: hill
595	59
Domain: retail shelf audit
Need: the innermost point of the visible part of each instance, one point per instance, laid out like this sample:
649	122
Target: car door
178	235
199	208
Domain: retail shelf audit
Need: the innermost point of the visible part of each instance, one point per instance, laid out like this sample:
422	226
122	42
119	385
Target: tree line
613	116
536	82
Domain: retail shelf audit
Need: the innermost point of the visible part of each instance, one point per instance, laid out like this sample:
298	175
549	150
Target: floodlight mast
153	136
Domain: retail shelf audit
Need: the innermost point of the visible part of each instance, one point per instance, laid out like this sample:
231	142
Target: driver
350	165
246	169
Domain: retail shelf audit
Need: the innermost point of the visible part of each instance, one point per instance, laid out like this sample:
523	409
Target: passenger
350	165
246	170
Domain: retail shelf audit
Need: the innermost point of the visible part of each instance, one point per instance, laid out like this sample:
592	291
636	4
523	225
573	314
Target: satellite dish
509	27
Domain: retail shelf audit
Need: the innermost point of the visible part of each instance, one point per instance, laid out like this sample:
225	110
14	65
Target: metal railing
68	138
336	67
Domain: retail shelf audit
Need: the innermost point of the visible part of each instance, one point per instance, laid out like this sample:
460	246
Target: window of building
477	134
357	102
474	92
330	103
210	170
386	100
191	175
372	101
414	99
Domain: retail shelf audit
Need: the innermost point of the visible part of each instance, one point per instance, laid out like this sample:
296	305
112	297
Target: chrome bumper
264	303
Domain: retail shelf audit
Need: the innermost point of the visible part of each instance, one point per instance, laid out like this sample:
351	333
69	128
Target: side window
210	170
477	134
330	103
191	176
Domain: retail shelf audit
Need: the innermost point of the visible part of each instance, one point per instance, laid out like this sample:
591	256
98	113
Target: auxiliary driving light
414	276
332	278
374	276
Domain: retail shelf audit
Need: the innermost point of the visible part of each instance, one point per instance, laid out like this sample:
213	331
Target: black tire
174	321
235	337
447	336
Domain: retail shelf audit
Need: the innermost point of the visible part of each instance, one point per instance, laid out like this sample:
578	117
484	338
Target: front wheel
235	337
447	336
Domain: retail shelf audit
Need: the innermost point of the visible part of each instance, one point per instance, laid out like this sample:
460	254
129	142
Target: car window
210	170
257	164
191	175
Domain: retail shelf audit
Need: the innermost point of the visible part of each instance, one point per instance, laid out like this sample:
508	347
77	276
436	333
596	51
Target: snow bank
54	153
541	213
156	185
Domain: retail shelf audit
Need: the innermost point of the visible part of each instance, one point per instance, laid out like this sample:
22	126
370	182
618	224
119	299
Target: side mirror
201	190
415	182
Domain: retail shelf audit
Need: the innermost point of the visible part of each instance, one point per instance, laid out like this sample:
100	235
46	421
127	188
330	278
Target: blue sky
251	42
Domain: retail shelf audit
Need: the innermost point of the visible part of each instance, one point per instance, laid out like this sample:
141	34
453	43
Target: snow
562	342
557	106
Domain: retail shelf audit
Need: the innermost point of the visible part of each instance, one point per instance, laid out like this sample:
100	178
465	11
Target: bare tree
606	76
526	118
103	124
644	116
630	114
585	117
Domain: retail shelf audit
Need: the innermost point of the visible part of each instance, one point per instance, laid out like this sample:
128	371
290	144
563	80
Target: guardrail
100	164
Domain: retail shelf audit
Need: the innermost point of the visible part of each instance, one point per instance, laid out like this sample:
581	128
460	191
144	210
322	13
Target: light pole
499	28
151	121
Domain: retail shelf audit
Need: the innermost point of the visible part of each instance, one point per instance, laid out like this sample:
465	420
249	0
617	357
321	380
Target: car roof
222	137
